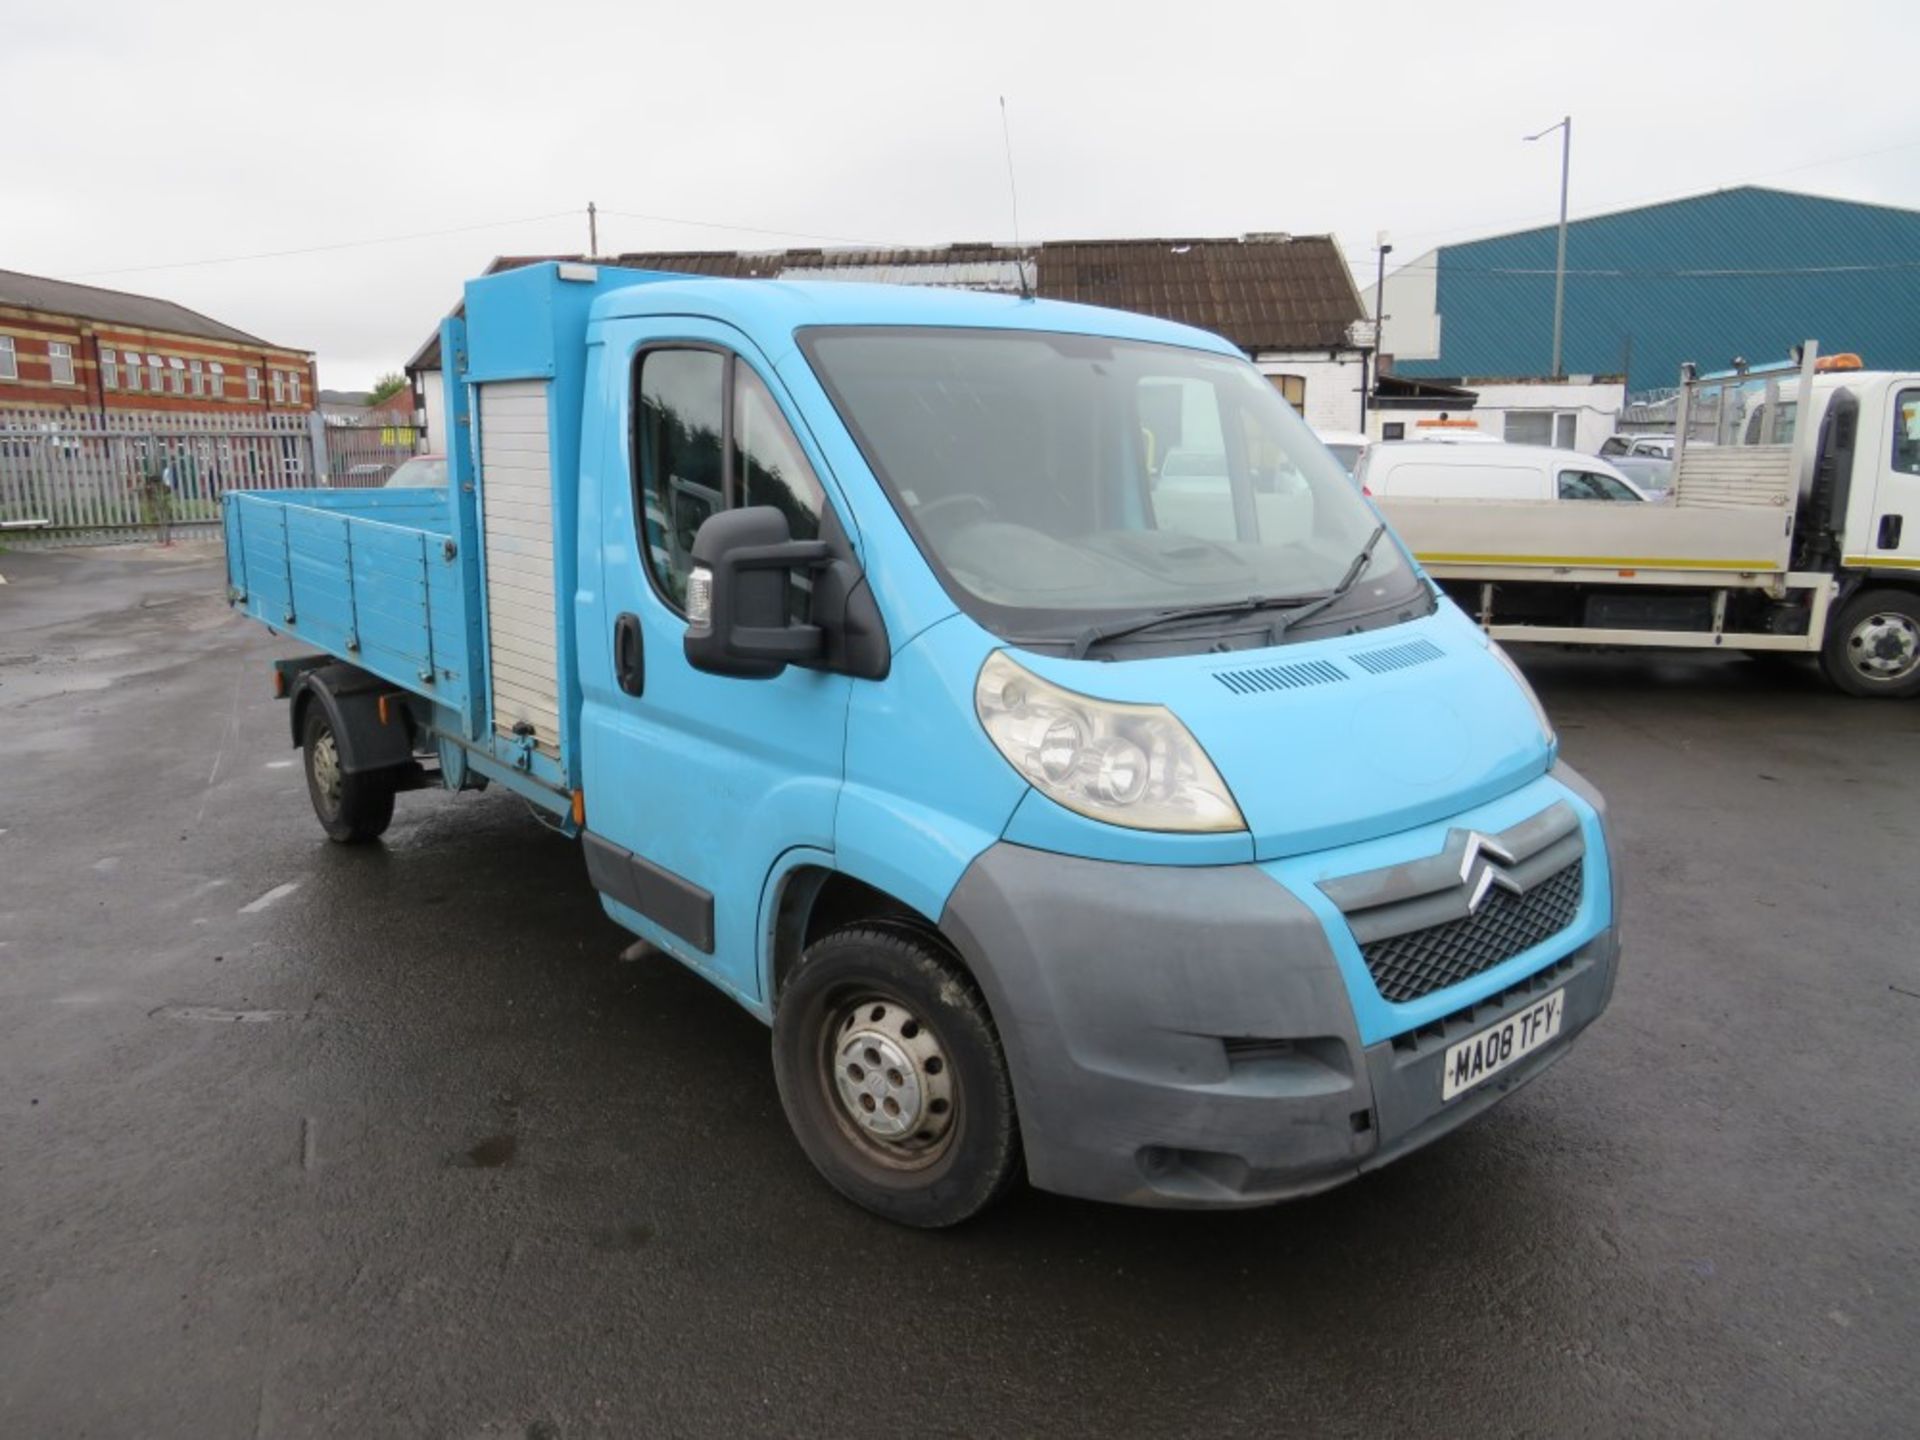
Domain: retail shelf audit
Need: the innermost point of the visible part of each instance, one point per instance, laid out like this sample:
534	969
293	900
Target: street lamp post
1379	325
1565	127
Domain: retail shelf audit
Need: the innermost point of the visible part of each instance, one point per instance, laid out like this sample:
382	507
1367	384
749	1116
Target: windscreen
1060	479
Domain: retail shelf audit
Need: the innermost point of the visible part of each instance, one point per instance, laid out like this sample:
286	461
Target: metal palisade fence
87	477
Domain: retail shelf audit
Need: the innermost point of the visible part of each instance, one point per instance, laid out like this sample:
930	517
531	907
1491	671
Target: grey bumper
1183	1037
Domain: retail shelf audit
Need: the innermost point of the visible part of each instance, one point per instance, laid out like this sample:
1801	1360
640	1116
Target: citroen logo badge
1478	871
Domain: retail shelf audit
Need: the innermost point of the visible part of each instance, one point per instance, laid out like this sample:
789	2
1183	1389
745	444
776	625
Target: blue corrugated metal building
1747	271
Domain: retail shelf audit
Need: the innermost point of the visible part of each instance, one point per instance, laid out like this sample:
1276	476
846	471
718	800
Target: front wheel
1873	646
352	808
892	1077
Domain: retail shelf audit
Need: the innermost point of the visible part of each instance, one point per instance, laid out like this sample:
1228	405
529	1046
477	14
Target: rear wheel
1873	646
352	808
892	1077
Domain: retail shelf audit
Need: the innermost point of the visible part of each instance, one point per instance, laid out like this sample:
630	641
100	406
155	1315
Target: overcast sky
144	135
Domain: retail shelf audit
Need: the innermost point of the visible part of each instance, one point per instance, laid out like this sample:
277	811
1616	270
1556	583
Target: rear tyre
352	808
892	1077
1873	646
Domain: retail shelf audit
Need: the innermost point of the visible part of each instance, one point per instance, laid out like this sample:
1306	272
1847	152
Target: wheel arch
811	897
351	699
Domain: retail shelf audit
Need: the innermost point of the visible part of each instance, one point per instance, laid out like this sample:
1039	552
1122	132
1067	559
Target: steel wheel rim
1885	646
326	771
889	1081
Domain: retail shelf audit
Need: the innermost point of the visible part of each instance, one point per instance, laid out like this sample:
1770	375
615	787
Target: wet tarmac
303	1140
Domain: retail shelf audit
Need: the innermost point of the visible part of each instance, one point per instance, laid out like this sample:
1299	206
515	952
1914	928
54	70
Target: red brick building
78	347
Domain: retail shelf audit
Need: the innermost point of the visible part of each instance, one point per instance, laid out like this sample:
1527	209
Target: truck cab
1010	703
1883	459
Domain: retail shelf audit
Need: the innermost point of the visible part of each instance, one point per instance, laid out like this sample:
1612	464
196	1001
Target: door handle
629	657
1889	532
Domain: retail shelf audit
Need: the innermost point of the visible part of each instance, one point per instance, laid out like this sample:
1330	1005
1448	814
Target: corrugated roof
1747	271
1293	293
1263	292
113	307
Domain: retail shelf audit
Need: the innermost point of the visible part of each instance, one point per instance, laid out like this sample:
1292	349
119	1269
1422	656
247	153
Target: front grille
1438	1034
1405	967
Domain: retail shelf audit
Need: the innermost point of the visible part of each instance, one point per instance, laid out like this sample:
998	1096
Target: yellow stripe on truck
1876	562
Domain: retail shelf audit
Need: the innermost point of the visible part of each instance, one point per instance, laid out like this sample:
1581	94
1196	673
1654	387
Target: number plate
1482	1056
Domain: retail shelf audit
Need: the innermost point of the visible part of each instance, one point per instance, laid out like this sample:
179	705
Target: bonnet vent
1397	657
1280	677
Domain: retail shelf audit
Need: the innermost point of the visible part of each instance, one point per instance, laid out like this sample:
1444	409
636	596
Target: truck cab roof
766	307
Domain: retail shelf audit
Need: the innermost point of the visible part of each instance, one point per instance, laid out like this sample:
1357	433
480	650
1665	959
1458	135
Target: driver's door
1894	531
695	783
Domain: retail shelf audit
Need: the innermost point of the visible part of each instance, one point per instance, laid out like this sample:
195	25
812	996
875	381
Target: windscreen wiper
1284	623
1297	608
1094	634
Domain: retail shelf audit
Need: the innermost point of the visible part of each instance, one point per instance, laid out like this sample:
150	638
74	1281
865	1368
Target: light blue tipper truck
1009	702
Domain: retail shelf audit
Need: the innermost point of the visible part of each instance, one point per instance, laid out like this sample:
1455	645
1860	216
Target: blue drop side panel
380	593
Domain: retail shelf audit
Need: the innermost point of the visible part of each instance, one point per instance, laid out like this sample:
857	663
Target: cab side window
1906	432
1591	485
679	419
769	468
768	460
708	436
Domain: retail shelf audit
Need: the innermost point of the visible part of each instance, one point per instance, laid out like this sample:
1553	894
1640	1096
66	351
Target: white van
1615	447
1346	446
1415	470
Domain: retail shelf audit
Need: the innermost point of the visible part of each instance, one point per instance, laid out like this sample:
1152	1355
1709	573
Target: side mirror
737	620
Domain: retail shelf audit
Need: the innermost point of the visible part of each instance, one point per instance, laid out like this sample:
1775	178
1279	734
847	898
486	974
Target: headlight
1132	765
1540	711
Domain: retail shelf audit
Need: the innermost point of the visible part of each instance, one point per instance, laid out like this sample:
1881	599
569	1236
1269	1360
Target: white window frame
109	368
178	369
278	383
9	359
196	377
135	375
216	380
57	352
156	374
1558	423
293	387
253	383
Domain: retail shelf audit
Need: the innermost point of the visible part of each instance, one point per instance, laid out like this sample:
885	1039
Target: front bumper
1187	1038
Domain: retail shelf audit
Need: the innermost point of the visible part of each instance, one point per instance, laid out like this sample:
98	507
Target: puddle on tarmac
490	1154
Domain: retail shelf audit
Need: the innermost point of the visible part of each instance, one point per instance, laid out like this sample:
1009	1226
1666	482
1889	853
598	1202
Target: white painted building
1412	329
1324	386
1577	413
433	410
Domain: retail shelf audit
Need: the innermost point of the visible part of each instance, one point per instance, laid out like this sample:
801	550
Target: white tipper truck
1786	532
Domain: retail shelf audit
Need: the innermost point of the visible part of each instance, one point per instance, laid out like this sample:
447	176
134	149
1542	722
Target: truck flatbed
1664	543
372	575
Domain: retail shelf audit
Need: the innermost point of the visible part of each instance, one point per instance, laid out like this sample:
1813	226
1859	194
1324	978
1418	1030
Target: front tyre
352	808
1873	646
892	1077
